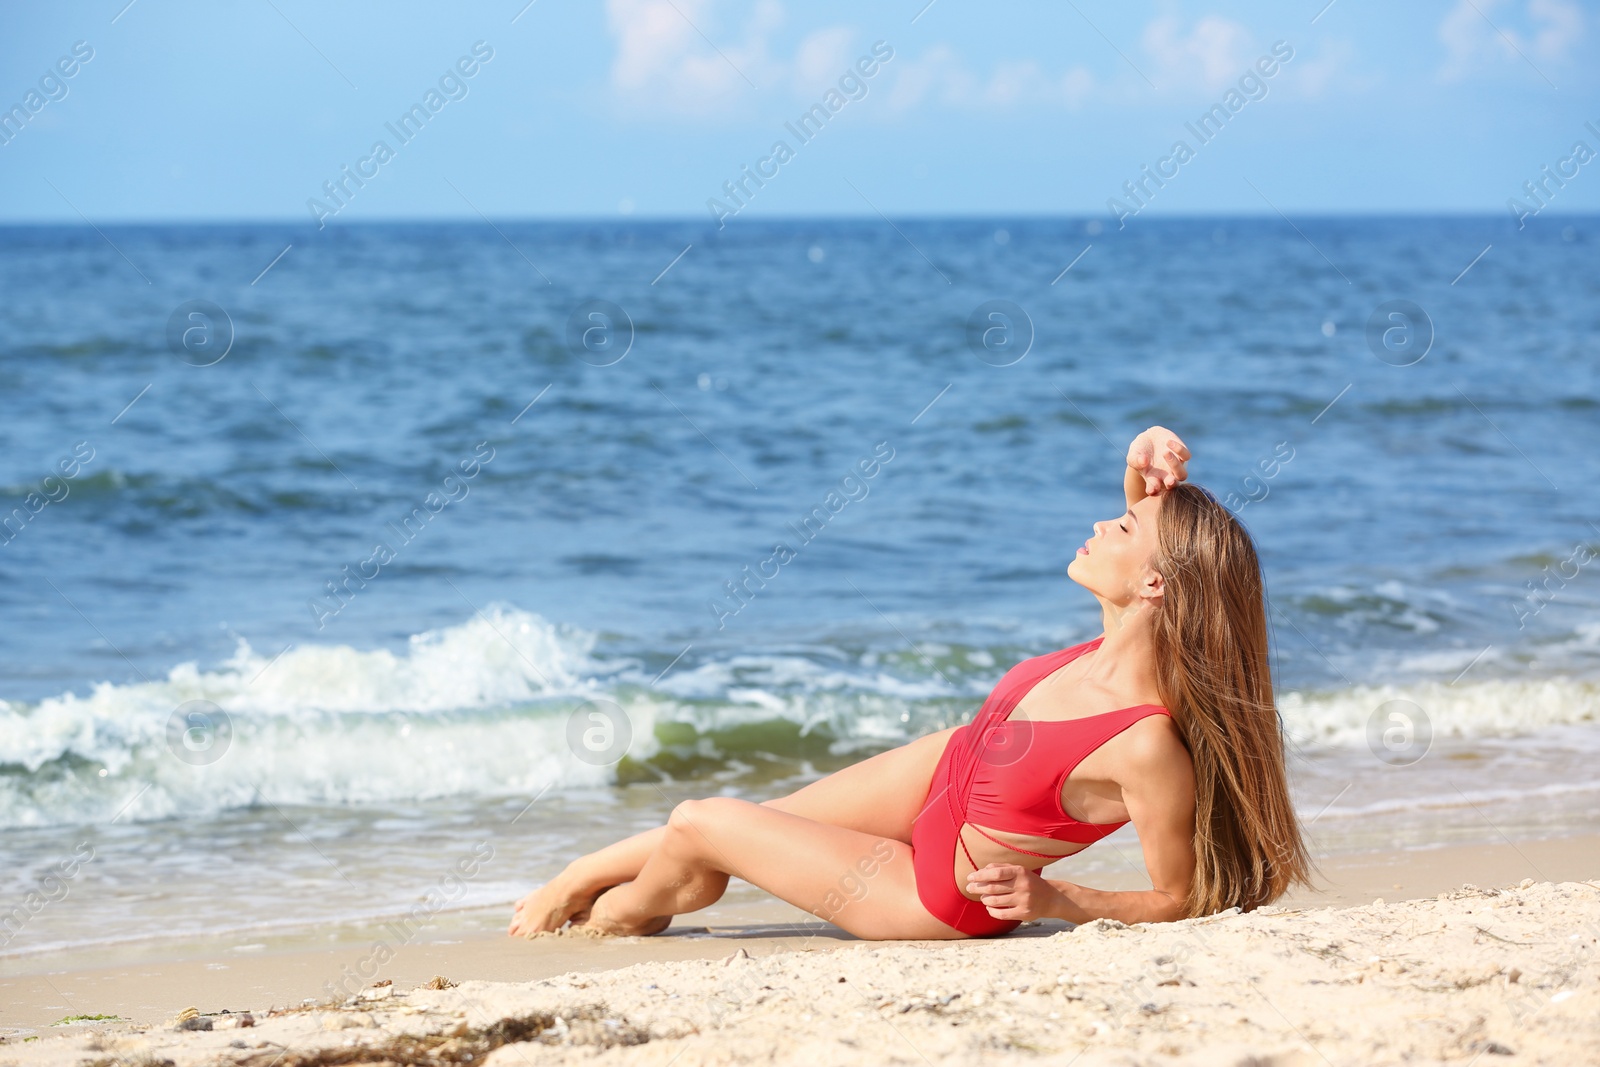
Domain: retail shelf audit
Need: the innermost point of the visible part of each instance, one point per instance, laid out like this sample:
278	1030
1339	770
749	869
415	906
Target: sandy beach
1432	972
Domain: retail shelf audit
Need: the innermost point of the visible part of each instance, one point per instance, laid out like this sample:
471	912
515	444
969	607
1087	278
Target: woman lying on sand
1166	720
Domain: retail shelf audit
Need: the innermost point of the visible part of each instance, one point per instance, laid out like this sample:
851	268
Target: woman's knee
694	818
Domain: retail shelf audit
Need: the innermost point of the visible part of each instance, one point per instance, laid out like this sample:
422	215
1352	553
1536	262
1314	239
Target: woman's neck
1126	658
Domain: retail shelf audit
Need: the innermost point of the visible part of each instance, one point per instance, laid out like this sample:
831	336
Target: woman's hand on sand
1013	892
1160	458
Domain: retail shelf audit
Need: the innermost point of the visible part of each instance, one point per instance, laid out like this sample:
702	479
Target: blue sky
194	111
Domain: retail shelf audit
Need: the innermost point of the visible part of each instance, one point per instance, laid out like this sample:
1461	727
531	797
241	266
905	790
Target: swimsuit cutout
1009	776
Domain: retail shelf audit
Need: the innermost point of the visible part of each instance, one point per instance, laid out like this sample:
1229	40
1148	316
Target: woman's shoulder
1155	744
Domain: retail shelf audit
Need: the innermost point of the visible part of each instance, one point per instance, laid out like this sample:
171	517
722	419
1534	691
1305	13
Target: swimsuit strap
1007	844
962	842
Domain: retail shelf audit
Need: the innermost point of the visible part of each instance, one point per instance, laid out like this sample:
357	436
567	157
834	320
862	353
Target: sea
349	569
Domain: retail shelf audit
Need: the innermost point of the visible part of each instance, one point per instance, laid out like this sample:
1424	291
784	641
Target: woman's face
1114	564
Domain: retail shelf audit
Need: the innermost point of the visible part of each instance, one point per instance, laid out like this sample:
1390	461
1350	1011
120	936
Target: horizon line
682	219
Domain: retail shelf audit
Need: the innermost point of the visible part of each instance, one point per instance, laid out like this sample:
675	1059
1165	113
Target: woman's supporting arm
1010	891
1158	791
1080	904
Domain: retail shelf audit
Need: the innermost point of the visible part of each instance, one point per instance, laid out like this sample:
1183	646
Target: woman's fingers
1007	906
1005	890
991	885
1173	467
1178	457
995	875
1177	470
994	870
1160	457
998	888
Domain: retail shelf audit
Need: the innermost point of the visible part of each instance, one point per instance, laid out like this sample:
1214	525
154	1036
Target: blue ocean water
549	464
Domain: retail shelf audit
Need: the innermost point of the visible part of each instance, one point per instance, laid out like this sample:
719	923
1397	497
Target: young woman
1166	720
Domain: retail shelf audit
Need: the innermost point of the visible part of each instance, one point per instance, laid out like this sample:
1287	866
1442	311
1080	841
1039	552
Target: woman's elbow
1168	908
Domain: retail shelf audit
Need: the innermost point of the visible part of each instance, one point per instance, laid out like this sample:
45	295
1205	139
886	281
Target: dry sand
1483	976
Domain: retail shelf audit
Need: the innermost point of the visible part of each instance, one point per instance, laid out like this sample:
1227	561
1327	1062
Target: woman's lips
1083	550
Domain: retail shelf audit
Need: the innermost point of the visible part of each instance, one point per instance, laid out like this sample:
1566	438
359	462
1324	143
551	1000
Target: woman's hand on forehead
1160	457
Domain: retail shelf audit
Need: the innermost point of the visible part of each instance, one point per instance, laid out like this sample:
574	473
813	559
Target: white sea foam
481	709
472	709
1491	708
1487	797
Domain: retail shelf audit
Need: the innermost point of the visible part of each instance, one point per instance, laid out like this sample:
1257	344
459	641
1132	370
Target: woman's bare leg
863	883
880	795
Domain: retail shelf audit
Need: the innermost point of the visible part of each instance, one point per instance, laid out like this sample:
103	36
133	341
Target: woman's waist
988	844
1025	823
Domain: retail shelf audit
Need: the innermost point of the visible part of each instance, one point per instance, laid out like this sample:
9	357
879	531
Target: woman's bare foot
600	920
561	900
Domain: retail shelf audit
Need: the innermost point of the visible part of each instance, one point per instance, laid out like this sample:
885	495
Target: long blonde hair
1215	676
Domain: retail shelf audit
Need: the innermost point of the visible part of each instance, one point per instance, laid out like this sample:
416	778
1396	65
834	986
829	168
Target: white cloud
1210	54
1076	85
1538	31
1213	53
938	74
651	38
941	75
822	57
1023	82
1312	75
664	63
1014	80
